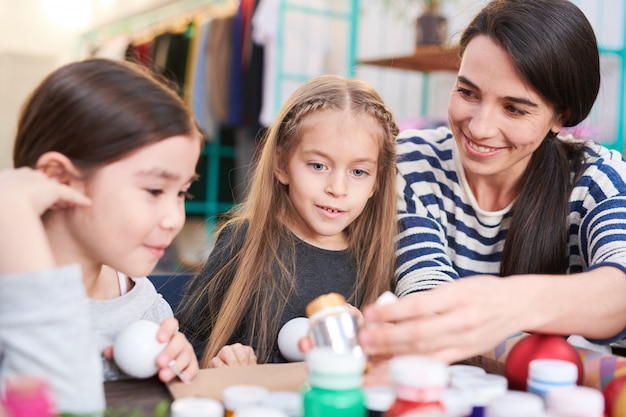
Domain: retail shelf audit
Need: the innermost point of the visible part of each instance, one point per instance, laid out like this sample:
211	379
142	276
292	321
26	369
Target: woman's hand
377	373
452	322
234	355
178	358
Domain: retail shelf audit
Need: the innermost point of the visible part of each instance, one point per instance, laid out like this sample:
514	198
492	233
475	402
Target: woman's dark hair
554	49
97	111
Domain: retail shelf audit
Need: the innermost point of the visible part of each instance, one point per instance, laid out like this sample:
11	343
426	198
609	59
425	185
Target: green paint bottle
334	384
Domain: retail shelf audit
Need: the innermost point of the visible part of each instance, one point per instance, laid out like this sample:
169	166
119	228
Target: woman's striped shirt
444	235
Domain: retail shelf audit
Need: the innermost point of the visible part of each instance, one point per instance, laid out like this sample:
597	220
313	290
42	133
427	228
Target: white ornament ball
289	336
136	349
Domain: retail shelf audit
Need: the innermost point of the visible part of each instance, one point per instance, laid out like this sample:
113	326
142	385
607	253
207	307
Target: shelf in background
425	58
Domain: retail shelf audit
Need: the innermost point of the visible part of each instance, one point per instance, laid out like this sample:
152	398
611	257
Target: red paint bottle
419	384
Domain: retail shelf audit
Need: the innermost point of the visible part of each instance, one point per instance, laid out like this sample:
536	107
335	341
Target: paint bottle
239	396
334	384
545	375
259	411
419	384
575	401
288	401
481	389
378	399
27	397
196	407
516	404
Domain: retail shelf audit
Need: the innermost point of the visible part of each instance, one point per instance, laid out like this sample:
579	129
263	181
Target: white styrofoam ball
136	349
386	298
288	337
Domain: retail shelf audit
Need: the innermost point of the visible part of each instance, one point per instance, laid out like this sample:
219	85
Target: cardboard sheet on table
211	382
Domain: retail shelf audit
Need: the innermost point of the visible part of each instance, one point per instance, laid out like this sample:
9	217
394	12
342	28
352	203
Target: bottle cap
259	411
288	401
418	371
515	404
332	370
575	401
379	397
483	388
462	369
457	402
386	298
237	396
553	371
197	407
323	302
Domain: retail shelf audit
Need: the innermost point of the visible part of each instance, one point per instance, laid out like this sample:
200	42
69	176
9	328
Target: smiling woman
500	194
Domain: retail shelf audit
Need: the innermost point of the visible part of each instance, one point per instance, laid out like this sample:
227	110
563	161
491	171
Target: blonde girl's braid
292	120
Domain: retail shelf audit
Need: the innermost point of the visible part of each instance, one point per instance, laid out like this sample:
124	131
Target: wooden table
137	397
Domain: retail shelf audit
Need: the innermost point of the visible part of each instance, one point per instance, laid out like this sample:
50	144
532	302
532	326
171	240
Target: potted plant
431	26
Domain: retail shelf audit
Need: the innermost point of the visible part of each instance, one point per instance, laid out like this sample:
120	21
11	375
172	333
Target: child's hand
305	344
38	191
28	193
234	355
178	357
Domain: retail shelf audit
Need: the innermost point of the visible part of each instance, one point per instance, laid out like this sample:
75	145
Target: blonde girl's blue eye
317	166
359	173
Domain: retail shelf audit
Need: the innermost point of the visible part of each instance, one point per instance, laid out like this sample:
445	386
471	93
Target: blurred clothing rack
158	20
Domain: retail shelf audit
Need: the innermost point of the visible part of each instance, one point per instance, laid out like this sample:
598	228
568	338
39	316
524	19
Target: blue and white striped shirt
444	235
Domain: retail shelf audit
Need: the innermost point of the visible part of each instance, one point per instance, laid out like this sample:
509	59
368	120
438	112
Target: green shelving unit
342	10
211	192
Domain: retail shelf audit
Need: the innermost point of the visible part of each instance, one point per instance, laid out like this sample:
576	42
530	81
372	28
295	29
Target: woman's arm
422	262
471	315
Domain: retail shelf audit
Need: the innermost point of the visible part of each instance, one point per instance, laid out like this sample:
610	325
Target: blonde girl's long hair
263	278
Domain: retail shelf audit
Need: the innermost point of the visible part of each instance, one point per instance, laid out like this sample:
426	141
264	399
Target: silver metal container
333	324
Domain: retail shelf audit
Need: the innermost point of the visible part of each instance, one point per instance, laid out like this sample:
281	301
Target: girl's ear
59	167
280	171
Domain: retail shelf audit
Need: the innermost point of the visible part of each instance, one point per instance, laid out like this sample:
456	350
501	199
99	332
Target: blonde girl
320	216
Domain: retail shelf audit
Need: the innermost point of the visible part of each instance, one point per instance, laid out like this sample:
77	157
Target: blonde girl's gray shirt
110	317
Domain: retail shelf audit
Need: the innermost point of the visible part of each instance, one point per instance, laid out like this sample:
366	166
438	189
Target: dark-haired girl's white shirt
445	235
110	317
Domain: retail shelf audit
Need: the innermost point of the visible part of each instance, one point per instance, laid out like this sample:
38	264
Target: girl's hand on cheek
178	359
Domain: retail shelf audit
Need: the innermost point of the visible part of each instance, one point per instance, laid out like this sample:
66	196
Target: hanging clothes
305	47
